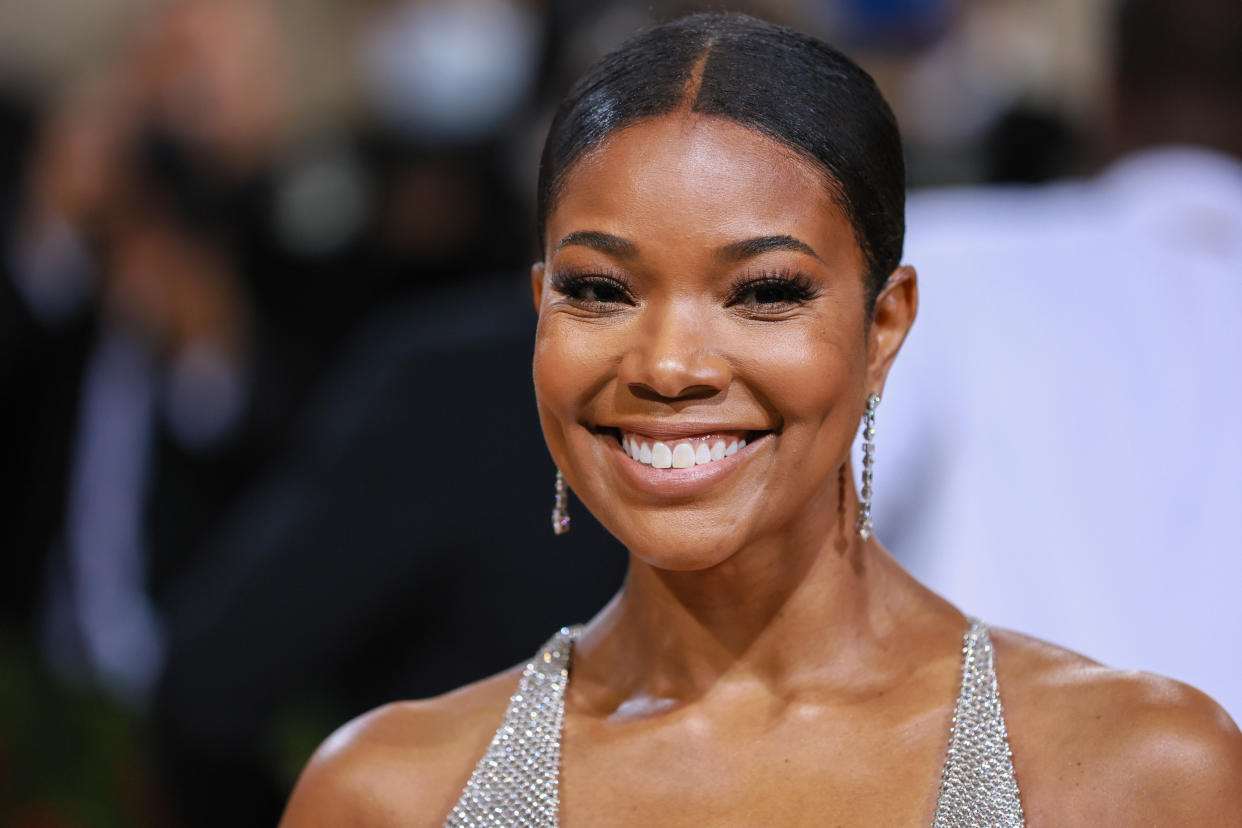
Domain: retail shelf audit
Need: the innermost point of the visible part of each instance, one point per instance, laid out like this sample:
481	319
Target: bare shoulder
1097	746
401	764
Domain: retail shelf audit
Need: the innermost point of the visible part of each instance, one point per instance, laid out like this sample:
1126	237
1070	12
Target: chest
856	771
870	764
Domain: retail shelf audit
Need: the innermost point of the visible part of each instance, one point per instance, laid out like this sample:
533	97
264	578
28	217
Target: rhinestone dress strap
515	785
978	788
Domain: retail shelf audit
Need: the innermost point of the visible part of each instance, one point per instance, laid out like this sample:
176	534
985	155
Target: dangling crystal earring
560	508
868	460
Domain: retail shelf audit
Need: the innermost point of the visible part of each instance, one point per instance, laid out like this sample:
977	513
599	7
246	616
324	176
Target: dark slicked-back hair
789	86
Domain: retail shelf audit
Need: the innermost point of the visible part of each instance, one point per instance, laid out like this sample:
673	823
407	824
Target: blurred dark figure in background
179	279
367	568
128	353
127	256
1118	298
1028	146
363	564
28	527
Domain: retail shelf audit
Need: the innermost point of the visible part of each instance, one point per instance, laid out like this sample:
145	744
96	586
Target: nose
673	358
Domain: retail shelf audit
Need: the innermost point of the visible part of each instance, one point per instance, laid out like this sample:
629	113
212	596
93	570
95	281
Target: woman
720	300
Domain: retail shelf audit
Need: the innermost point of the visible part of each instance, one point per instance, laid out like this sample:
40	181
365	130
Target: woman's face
703	356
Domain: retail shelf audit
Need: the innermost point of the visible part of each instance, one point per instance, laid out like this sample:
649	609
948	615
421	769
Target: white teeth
682	453
683	456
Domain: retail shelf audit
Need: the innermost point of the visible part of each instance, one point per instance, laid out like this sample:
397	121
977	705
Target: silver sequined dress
516	783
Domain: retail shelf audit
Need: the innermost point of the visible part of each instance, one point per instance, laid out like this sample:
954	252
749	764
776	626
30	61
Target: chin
674	548
690	559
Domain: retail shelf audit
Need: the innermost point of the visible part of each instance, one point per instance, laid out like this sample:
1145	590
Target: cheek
808	374
813	380
549	377
569	366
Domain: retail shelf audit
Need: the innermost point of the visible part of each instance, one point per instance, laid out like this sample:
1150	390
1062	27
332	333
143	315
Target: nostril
664	373
692	392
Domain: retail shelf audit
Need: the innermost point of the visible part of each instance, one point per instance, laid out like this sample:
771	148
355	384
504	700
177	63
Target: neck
779	620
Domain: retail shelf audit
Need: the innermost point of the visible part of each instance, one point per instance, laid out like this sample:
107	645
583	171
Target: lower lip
677	483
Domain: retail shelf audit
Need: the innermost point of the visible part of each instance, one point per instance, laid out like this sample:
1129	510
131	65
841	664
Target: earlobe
536	284
895	309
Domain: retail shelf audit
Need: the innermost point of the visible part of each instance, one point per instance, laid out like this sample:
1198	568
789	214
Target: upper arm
1129	749
349	781
402	764
327	793
1186	761
1094	747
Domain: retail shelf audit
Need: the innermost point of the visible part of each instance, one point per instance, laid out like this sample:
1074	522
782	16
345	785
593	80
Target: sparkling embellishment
978	788
516	783
560	508
863	526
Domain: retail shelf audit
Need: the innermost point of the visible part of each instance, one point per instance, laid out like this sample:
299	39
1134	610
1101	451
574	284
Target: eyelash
794	289
573	285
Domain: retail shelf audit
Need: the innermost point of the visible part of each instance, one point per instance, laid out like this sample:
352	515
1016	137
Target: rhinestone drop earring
868	460
560	507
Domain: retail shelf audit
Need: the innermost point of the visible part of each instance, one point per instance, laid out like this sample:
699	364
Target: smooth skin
761	664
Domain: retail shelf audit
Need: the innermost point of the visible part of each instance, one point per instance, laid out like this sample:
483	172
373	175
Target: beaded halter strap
978	788
516	783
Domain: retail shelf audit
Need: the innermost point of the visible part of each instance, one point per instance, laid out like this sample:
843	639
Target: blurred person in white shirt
1059	447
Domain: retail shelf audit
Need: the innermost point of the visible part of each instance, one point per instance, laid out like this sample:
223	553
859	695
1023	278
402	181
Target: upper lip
665	430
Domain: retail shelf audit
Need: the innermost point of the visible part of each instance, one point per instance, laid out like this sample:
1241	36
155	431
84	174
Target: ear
895	309
536	284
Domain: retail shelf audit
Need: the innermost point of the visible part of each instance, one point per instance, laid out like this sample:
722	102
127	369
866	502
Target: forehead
693	178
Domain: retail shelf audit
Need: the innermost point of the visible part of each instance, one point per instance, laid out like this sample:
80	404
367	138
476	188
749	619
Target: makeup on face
700	338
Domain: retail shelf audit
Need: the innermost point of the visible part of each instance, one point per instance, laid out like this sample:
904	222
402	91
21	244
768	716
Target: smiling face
703	353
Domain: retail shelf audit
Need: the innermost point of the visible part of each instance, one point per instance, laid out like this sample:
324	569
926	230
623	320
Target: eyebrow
747	248
733	252
603	242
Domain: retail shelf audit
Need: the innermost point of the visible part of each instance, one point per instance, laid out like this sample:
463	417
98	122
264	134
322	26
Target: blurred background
270	452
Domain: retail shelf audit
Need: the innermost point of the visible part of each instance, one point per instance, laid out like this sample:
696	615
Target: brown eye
601	291
767	293
772	292
592	290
